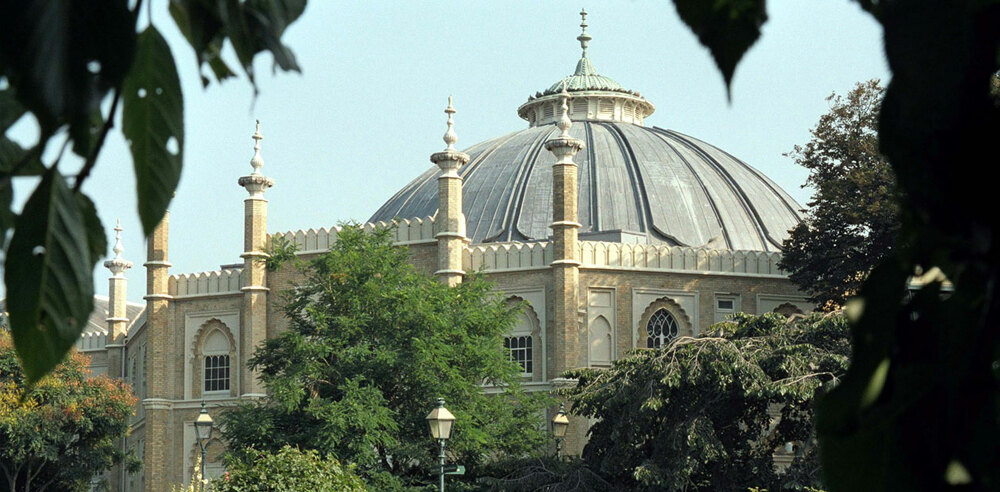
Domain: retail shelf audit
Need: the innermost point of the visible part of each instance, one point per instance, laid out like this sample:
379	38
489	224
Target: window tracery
661	329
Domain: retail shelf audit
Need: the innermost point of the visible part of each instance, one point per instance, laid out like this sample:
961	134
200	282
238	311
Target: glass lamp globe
440	420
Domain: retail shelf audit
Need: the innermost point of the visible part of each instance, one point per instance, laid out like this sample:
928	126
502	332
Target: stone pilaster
158	343
450	221
254	312
567	347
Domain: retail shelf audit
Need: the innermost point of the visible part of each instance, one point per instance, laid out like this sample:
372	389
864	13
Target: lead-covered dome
636	184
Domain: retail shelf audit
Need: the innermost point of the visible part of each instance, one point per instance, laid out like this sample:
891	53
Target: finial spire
450	137
257	161
118	249
584	38
118	265
564	122
256	183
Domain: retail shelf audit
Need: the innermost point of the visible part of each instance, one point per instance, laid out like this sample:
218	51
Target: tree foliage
288	470
853	218
58	434
371	344
60	62
697	414
543	474
918	408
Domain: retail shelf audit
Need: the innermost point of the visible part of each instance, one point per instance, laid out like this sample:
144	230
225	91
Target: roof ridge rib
762	232
711	201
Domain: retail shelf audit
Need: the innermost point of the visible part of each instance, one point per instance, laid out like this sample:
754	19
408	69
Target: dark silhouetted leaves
934	418
726	27
58	60
153	123
252	27
10	109
64	55
48	273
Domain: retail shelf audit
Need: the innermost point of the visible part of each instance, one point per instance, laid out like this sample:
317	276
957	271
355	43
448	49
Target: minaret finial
564	122
449	136
118	249
118	265
584	38
257	161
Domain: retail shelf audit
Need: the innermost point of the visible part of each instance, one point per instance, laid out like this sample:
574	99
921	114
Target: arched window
519	343
661	329
519	348
217	363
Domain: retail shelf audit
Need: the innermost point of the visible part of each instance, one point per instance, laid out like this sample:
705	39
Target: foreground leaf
63	56
251	27
48	274
726	27
10	109
153	123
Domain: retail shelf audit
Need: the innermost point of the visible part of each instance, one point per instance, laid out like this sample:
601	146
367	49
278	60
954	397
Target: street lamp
560	423
439	421
203	428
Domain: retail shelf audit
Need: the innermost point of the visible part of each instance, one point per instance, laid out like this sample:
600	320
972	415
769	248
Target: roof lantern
595	97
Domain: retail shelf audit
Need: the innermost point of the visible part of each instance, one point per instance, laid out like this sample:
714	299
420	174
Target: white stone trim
609	313
507	256
643	298
535	297
767	303
92	340
624	256
407	231
192	325
205	283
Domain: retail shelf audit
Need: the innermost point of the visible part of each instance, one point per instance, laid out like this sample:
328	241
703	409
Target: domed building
612	234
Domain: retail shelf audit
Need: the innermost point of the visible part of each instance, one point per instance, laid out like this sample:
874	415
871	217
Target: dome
636	184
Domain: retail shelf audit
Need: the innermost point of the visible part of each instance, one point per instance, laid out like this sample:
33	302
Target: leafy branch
61	61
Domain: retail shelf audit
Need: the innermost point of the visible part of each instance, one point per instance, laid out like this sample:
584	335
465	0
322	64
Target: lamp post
560	423
203	428
439	421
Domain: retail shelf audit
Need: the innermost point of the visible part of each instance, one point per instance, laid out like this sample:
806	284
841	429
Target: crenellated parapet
405	232
596	254
499	257
92	340
507	256
206	283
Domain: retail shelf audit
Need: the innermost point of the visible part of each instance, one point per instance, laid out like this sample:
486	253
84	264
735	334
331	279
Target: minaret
570	351
117	324
117	319
450	221
254	312
158	340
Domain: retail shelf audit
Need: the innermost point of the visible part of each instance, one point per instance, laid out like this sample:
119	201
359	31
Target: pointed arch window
217	362
661	329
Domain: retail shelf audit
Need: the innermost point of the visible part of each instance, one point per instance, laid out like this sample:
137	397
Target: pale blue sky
366	112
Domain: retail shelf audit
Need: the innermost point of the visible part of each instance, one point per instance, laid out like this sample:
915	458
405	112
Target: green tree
371	344
918	407
697	414
852	221
288	470
58	434
61	61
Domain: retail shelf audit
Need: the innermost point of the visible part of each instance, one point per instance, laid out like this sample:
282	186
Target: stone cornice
255	184
449	156
560	143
